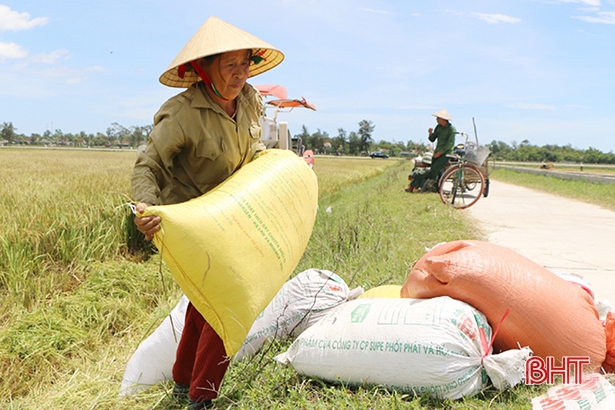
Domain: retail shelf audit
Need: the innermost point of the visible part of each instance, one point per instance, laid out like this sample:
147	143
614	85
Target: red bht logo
539	371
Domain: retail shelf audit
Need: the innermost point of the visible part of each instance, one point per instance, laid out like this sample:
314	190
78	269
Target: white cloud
375	11
604	17
78	76
66	74
496	18
595	3
416	107
528	106
12	20
11	50
75	80
49	58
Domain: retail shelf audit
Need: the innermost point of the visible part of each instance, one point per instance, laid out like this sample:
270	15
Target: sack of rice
233	248
438	347
550	315
153	360
301	302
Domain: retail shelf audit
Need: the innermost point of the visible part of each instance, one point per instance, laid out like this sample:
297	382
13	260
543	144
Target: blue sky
536	70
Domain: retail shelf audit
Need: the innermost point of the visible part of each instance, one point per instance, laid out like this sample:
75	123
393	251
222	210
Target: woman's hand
148	225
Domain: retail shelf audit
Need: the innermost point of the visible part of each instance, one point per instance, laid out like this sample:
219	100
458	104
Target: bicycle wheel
461	186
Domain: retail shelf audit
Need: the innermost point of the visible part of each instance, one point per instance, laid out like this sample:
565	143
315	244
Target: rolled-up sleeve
154	165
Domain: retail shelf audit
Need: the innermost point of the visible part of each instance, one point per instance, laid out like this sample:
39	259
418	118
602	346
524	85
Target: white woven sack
595	393
153	360
423	346
300	303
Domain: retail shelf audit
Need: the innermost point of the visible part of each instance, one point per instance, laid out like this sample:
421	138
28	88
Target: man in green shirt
445	136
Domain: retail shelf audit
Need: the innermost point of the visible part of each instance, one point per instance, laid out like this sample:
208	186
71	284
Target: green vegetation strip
594	193
76	301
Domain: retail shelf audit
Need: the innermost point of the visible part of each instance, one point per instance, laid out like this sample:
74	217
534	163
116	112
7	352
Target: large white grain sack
300	303
430	347
153	360
232	249
595	393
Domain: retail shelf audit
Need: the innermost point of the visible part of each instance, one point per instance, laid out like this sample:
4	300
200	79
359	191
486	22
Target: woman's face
229	72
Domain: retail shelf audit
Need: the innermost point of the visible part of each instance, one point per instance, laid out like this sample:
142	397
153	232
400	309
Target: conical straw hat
442	114
214	37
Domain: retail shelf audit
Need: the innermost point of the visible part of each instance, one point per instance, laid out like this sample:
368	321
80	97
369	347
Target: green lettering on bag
359	314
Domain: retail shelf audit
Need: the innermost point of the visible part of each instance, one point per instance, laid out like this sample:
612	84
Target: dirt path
561	234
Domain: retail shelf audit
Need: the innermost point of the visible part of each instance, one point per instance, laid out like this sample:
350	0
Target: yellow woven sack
233	248
383	291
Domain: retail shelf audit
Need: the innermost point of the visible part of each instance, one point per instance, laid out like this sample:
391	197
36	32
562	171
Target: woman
200	138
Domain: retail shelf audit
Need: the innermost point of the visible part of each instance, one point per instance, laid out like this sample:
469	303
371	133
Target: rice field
78	297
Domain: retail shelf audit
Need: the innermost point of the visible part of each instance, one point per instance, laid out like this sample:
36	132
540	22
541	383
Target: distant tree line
354	143
359	142
527	152
116	136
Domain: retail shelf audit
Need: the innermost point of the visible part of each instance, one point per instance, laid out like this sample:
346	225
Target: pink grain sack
550	315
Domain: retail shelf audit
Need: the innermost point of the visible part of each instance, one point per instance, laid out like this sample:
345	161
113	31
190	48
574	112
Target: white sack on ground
425	346
153	360
595	393
300	303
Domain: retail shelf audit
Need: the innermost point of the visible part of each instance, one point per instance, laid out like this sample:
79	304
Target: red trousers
201	360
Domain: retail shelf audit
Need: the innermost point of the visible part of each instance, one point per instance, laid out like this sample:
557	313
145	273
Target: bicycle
462	183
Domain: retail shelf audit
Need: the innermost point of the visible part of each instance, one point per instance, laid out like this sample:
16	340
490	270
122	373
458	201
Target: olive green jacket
446	138
195	146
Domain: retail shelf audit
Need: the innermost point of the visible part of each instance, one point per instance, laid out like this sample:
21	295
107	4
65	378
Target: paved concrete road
561	234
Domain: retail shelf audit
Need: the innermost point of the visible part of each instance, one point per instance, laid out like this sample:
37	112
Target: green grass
76	302
587	168
594	193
